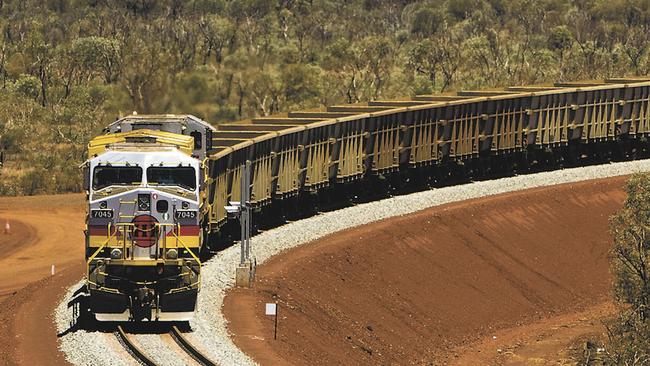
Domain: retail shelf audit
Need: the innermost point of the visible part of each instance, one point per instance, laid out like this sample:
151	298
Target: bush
28	86
33	182
426	22
560	38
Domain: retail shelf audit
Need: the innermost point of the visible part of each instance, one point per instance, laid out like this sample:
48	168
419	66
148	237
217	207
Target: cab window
197	139
184	177
104	176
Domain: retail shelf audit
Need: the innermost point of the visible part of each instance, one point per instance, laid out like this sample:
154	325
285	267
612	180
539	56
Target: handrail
90	259
122	226
178	239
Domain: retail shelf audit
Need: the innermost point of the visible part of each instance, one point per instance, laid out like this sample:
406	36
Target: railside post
245	273
249	213
243	203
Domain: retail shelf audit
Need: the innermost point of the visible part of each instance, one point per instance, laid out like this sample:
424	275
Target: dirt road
44	231
478	282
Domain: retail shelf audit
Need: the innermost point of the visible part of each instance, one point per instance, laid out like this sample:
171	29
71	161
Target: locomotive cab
143	236
200	131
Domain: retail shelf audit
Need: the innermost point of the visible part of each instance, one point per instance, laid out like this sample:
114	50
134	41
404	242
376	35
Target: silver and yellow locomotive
143	237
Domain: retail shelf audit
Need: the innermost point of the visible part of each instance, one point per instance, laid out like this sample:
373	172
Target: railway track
133	349
141	357
189	348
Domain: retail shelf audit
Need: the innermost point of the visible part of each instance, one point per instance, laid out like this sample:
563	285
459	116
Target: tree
560	38
424	58
426	22
28	86
378	58
218	33
4	56
630	228
301	84
39	53
96	55
461	9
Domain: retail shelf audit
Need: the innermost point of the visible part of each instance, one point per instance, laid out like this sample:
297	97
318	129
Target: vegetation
629	334
68	67
628	341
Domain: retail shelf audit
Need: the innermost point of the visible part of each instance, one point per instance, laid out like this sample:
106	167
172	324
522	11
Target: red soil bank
45	230
414	289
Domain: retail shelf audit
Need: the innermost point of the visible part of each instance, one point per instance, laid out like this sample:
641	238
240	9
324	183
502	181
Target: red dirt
548	342
45	230
438	285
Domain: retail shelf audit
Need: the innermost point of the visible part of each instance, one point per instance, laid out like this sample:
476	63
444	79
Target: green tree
218	33
96	55
560	38
28	85
426	22
425	58
630	228
301	85
222	59
462	9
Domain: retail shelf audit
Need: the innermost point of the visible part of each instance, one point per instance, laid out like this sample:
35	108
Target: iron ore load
158	184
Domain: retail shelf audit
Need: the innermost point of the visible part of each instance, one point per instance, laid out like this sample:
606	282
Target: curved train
158	184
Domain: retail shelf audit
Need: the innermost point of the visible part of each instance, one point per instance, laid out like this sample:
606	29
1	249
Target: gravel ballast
209	326
83	347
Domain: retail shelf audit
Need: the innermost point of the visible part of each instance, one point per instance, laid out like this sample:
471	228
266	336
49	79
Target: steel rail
186	345
133	349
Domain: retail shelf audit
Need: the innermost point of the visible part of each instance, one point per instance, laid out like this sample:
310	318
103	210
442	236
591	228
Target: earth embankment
420	288
43	231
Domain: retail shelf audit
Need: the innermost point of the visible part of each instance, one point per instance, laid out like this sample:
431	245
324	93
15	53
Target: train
158	185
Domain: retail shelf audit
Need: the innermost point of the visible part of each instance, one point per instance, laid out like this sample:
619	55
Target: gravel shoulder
210	325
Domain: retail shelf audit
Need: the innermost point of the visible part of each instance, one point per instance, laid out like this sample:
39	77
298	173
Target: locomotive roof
160	118
146	138
163	157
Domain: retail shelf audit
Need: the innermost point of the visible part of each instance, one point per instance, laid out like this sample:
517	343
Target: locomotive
143	236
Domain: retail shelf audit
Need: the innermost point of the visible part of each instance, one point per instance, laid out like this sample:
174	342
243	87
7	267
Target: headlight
116	253
172	253
185	205
103	205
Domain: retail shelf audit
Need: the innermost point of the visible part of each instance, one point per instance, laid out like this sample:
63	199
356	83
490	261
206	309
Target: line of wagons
308	150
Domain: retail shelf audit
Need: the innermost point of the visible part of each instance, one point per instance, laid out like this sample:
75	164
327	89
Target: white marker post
272	309
53	270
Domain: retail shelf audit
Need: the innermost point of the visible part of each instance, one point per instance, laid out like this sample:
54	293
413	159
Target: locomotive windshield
104	176
183	177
